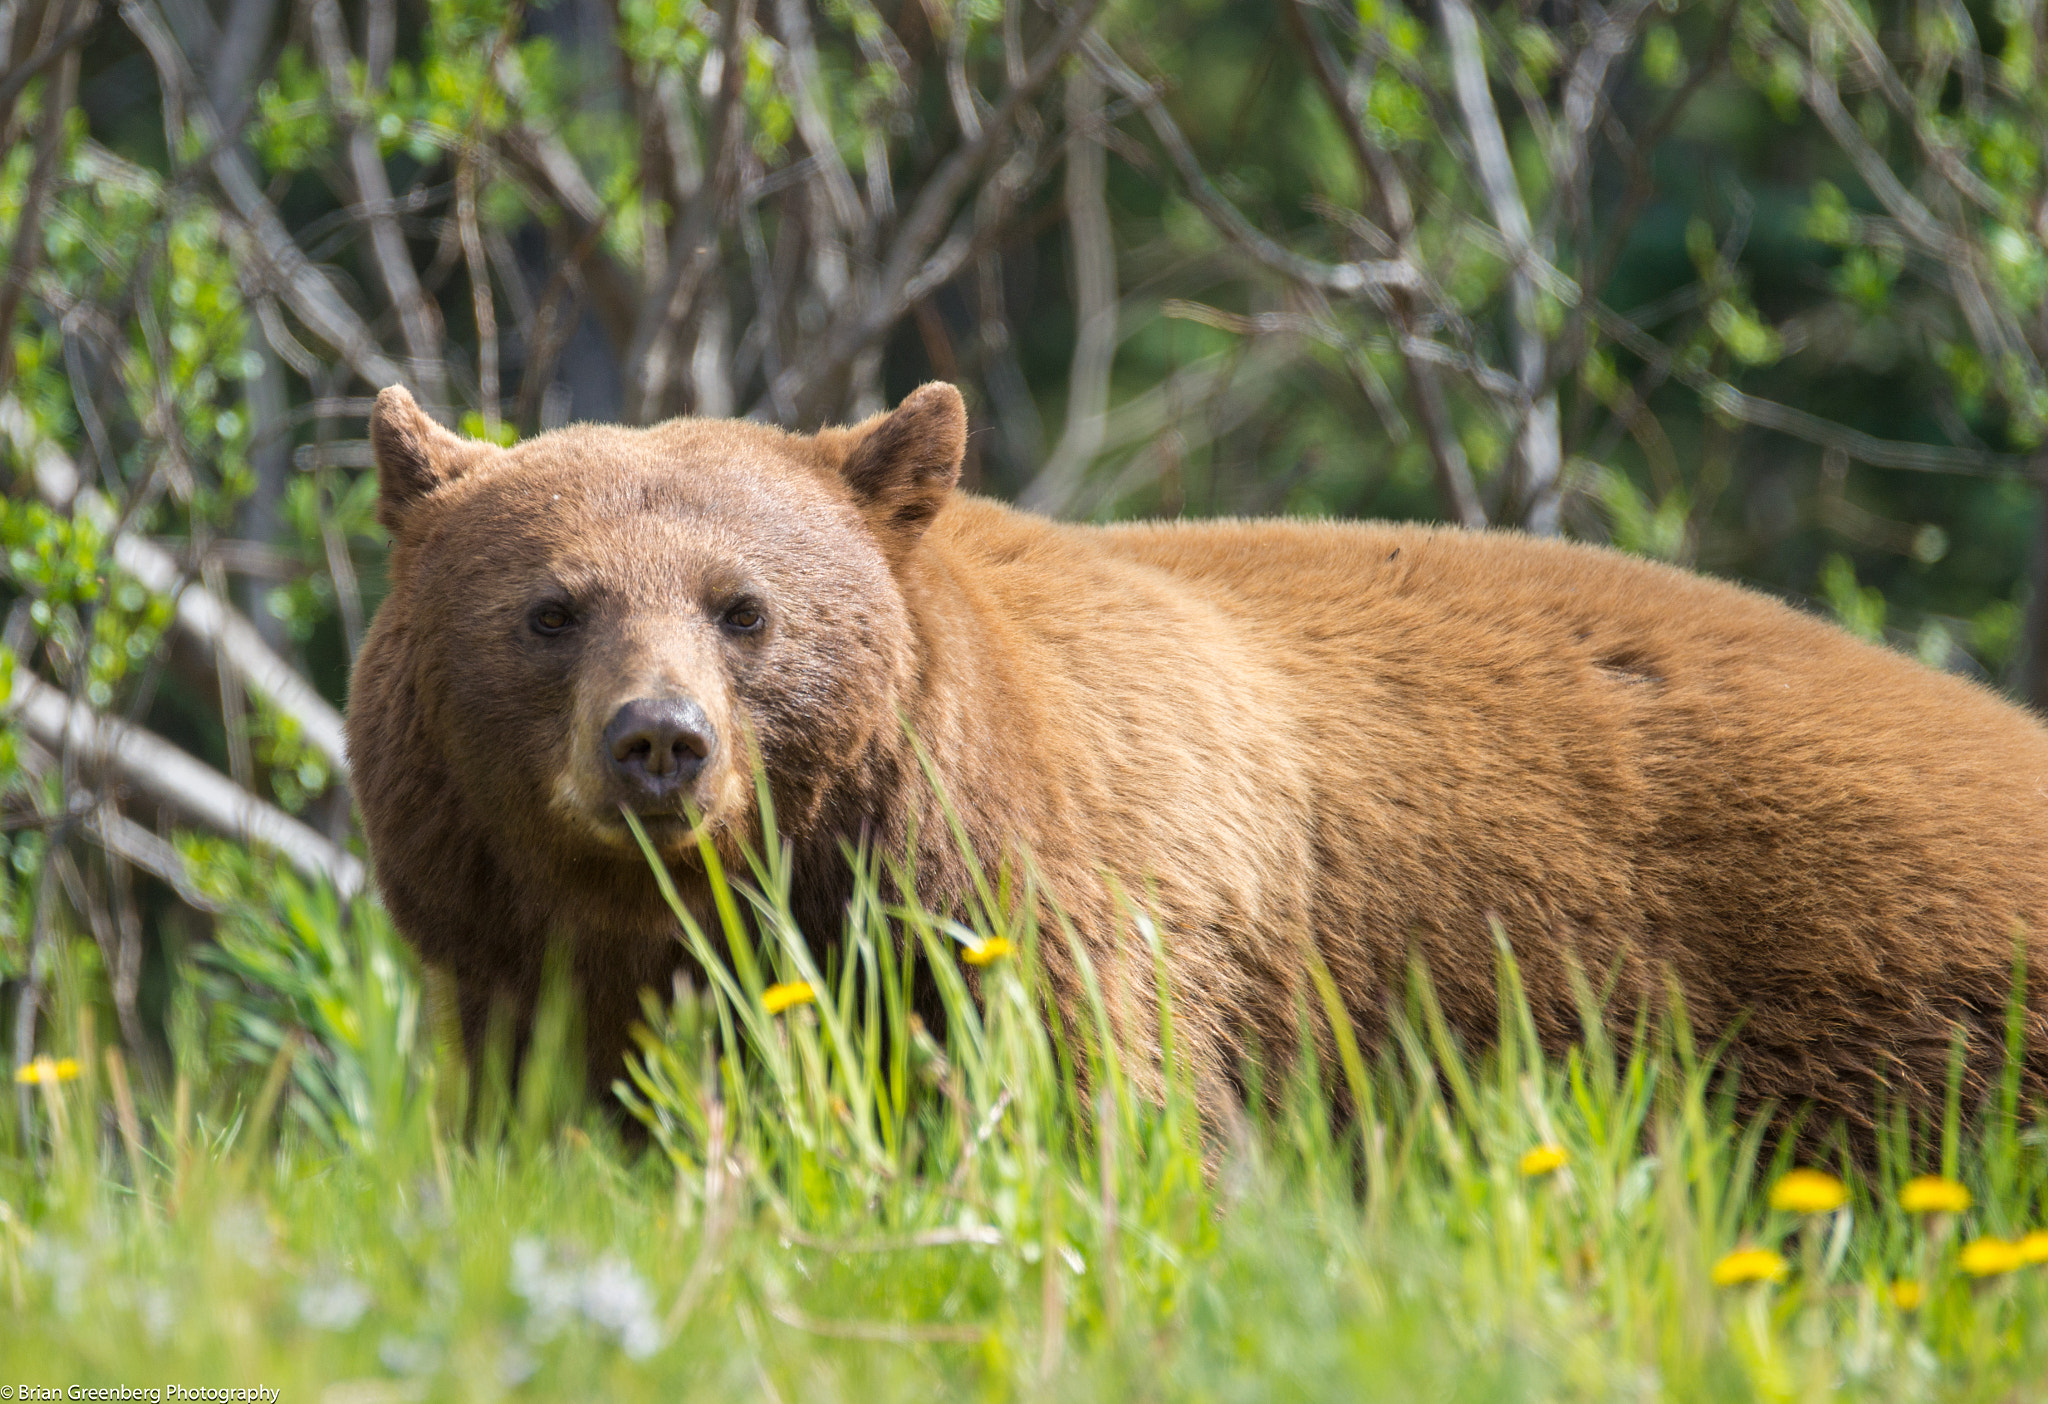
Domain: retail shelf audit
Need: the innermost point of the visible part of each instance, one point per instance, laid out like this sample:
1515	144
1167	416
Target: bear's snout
657	746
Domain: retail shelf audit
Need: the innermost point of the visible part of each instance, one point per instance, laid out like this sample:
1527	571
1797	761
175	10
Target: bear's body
1376	739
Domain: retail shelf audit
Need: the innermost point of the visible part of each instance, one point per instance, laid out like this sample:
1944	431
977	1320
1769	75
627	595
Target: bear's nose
658	744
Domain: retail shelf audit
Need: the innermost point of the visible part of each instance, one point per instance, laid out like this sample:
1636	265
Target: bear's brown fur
1376	739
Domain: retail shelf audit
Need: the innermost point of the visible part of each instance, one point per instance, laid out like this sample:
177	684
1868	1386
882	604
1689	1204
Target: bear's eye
743	618
551	618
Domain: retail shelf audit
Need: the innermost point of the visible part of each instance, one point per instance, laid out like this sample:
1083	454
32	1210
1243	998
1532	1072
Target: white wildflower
241	1229
608	1294
66	1267
159	1312
516	1365
333	1305
550	1294
616	1300
408	1355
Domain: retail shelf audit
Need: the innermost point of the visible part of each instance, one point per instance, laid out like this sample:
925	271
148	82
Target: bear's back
1657	773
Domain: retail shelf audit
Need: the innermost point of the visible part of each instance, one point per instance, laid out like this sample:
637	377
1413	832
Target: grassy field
832	1205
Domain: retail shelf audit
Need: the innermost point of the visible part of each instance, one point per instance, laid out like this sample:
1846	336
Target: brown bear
1367	742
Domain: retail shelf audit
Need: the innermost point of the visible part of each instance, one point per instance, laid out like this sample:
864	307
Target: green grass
833	1203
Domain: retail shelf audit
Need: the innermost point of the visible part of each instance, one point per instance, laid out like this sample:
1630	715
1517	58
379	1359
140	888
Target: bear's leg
611	978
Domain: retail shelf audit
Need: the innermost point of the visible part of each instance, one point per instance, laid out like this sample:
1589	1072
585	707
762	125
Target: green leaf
1663	56
1859	608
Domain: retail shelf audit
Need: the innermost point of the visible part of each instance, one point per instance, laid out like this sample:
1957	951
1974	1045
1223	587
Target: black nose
658	744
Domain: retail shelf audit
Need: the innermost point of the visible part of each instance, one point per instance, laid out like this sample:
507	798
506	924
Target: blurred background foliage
1754	286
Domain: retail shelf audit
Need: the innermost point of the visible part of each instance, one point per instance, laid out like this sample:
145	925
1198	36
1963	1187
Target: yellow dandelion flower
1907	1295
1541	1161
1749	1265
983	952
1808	1192
46	1070
1932	1194
2034	1247
1987	1257
777	998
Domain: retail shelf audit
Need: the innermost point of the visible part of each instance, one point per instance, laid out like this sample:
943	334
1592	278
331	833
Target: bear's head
602	619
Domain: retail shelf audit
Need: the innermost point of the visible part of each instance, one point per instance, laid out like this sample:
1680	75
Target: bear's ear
414	454
902	464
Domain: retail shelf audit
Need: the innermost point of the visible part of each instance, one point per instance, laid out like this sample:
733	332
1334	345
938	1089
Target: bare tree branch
232	63
209	621
484	305
1093	246
135	844
917	259
1612	35
650	360
28	230
1870	54
1865	448
1351	277
1455	488
418	319
1912	216
900	1333
1540	451
1159	410
17	79
284	266
793	19
554	322
1994	332
1191	408
1767	414
966	106
169	776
